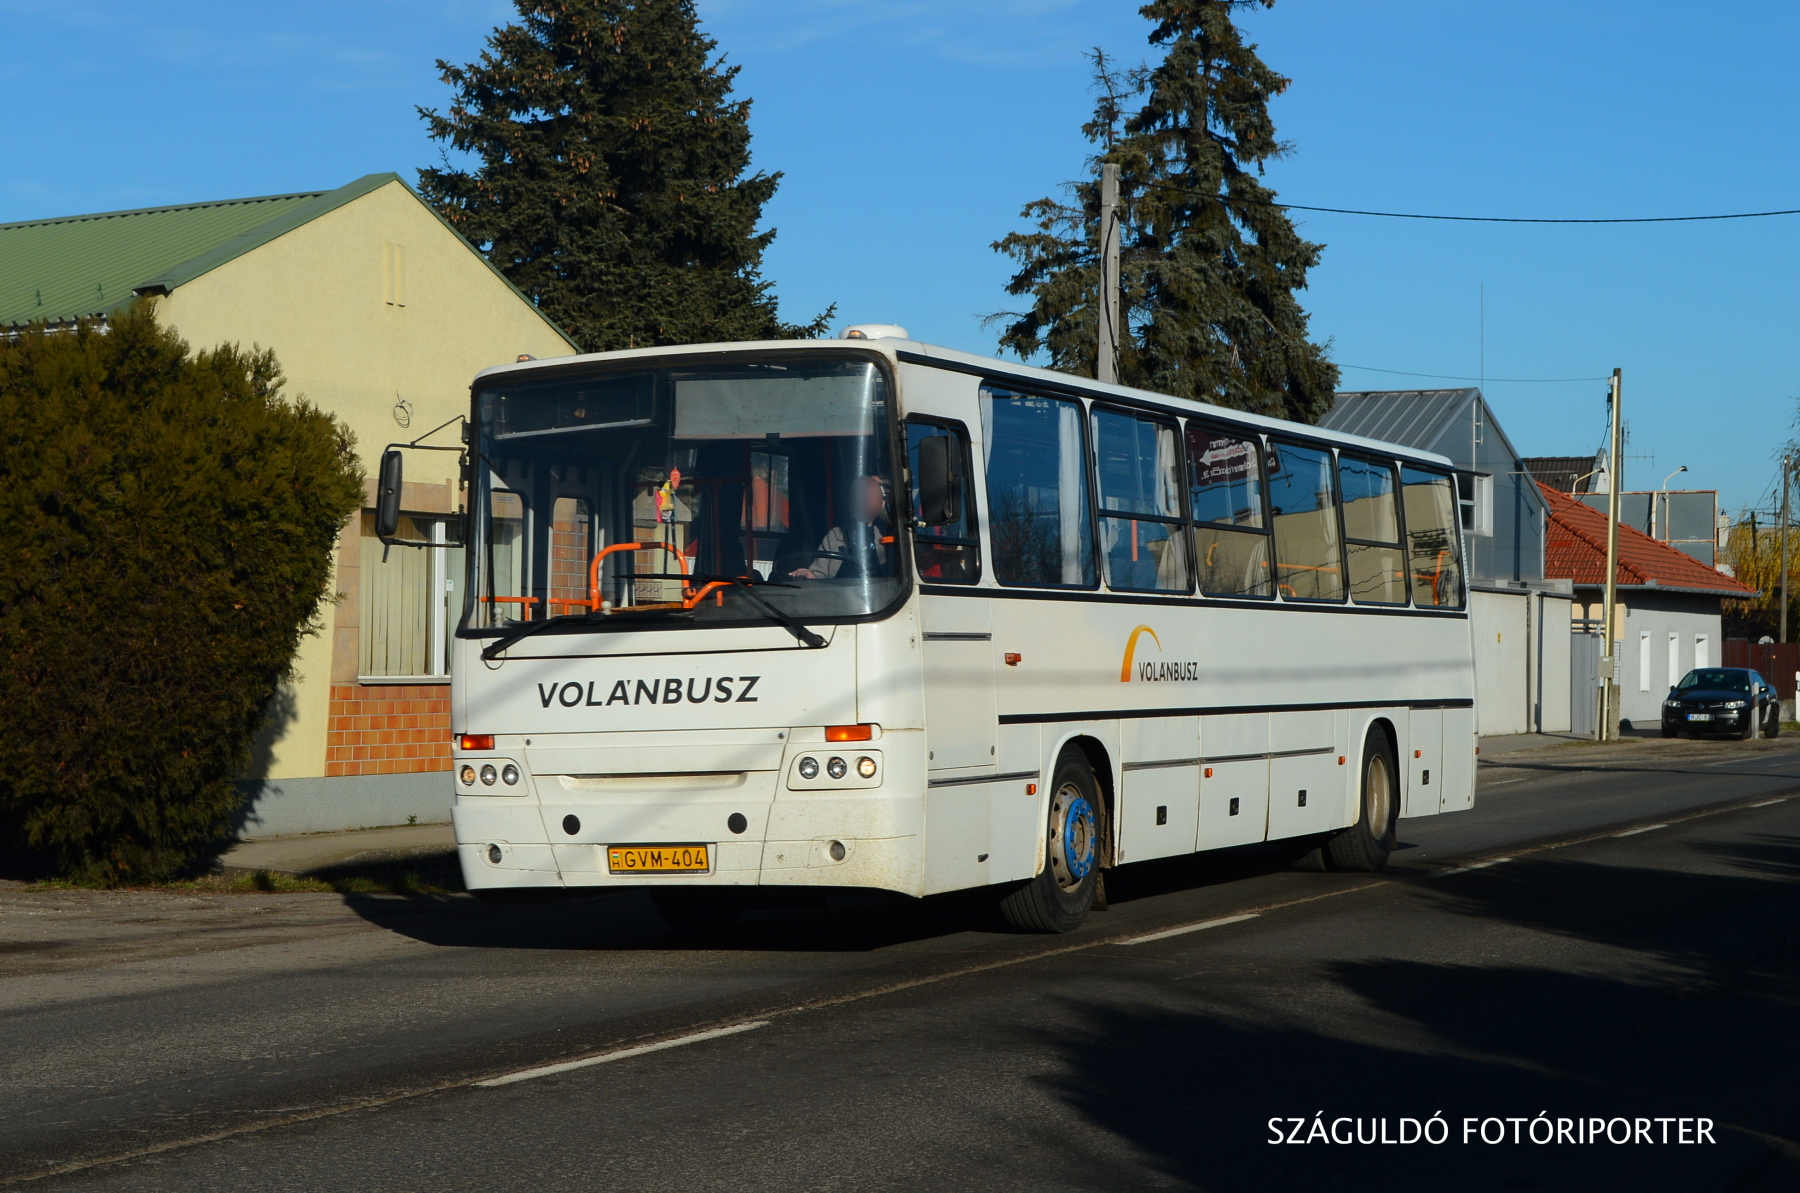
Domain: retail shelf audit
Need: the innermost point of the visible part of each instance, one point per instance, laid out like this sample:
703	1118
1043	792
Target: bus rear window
1429	499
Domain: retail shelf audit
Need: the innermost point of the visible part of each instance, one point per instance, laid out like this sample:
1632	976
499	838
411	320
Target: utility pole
1608	729
1787	465
1106	367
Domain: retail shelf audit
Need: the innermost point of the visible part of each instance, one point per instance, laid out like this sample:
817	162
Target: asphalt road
1636	956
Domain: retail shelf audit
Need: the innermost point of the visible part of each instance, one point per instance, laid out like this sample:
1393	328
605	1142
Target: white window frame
441	584
1702	651
1478	508
1675	672
1643	660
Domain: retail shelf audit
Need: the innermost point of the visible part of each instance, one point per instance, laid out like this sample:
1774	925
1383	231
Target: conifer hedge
168	519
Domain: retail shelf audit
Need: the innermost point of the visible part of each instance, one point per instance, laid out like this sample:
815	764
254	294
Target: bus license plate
1699	716
657	859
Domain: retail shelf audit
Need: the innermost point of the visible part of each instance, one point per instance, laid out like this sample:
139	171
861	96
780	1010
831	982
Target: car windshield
598	492
1715	680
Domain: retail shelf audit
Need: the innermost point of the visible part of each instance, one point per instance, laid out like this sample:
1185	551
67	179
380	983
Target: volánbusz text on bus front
874	614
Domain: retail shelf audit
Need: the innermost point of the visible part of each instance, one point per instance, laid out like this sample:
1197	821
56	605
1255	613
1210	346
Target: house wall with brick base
387	729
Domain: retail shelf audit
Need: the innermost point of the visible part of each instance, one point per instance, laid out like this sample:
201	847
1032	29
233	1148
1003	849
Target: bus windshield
614	496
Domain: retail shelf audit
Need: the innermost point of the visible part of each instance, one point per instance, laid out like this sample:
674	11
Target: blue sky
911	132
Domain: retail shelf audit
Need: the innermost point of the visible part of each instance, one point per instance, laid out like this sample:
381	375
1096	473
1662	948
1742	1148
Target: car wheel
1773	727
1366	844
1059	898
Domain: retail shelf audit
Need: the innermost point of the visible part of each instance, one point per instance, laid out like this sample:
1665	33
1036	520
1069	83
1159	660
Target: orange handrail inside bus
526	601
1436	577
594	569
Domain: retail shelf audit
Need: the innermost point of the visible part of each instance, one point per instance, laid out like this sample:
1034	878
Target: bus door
961	726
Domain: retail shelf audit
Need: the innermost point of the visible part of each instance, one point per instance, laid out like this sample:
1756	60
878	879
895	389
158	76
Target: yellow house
381	314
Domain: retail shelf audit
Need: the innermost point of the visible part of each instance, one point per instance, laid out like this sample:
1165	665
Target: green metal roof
87	265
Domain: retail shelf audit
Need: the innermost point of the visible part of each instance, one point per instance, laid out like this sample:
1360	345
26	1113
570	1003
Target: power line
1452	377
1513	219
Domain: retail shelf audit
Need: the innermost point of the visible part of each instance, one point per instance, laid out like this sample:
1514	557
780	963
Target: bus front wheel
1366	844
1059	898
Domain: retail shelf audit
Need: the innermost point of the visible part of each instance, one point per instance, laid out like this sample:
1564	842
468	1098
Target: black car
1732	700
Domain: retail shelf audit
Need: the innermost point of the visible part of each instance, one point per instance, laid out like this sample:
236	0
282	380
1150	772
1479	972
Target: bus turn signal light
475	741
849	732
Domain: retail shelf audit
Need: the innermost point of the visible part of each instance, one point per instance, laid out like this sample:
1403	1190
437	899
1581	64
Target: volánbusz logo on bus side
1150	671
722	689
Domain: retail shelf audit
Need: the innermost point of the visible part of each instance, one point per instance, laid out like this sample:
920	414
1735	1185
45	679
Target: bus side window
1372	531
1038	514
1434	557
1142	538
950	553
1303	507
1231	533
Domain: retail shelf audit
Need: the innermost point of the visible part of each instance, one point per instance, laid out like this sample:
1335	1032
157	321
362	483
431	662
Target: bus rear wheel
1366	844
1062	894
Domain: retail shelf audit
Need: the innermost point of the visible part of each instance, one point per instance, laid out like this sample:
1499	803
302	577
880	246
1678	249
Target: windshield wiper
531	627
805	636
786	621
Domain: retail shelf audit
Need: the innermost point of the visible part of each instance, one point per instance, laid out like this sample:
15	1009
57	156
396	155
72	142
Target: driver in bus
855	549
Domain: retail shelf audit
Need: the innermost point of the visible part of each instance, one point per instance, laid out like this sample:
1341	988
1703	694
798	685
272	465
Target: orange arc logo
1131	649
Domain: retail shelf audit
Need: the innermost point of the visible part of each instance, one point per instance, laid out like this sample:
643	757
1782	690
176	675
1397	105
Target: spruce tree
1210	265
611	187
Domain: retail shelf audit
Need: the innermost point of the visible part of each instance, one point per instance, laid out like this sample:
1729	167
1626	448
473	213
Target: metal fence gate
1584	683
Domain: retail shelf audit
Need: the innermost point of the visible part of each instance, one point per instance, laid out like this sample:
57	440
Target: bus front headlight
809	768
865	766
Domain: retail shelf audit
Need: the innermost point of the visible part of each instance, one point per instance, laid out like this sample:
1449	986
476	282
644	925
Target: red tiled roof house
1669	601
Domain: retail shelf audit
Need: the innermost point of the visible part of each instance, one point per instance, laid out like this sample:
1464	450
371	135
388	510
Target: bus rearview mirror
387	494
940	481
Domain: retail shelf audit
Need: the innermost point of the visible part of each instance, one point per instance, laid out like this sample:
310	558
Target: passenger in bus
856	549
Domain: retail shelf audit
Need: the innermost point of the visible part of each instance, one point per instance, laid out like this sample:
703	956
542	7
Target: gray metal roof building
1503	512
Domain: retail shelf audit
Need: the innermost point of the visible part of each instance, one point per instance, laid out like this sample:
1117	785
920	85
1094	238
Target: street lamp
1662	519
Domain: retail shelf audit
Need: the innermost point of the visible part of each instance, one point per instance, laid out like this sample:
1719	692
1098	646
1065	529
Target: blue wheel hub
1078	838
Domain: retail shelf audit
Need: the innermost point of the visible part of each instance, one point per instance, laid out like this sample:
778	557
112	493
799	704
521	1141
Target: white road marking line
1632	832
621	1054
1765	803
1493	861
1185	928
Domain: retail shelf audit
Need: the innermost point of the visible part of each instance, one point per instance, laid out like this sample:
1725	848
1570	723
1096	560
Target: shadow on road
1664	994
790	921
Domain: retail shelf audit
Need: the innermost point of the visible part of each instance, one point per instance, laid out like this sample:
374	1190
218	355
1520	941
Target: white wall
1499	622
1646	664
1550	661
1521	666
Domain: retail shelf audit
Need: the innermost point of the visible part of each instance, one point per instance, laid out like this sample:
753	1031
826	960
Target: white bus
873	614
